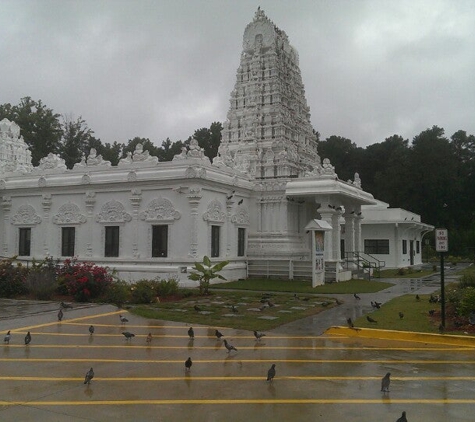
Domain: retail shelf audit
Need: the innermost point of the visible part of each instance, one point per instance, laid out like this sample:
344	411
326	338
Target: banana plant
205	272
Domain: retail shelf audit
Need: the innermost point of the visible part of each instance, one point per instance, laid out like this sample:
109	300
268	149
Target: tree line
433	175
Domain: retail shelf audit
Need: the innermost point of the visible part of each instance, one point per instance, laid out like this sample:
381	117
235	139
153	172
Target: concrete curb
402	336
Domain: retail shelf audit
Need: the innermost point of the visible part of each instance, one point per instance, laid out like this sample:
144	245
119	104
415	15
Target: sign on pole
441	240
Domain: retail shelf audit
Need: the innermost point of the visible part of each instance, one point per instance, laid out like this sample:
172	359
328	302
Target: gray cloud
161	69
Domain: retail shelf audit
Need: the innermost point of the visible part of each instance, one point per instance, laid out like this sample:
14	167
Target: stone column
135	200
229	236
46	202
350	237
194	196
358	240
5	232
90	203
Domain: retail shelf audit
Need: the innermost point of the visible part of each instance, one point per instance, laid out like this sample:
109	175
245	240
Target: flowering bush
12	278
84	280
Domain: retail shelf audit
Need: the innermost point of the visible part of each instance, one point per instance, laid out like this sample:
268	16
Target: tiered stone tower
14	153
268	132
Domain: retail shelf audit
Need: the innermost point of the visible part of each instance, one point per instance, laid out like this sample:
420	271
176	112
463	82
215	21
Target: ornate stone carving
26	215
14	153
90	200
69	214
96	160
160	209
42	182
132	176
136	198
194	152
113	212
6	203
3	185
52	162
327	168
86	179
215	213
139	156
46	202
195	172
241	217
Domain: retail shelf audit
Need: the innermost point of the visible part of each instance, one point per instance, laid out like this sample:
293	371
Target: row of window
112	237
381	246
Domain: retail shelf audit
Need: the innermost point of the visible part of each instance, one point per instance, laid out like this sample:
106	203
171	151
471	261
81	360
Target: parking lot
318	377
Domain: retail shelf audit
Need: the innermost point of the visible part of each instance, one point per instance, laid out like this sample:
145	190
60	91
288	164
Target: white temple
250	206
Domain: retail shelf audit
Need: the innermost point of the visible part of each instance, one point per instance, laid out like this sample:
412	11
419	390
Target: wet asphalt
319	377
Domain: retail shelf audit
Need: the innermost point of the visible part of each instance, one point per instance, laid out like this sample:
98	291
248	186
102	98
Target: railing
365	262
279	268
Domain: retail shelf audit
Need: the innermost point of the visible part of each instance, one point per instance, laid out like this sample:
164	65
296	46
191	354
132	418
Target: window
215	231
376	246
418	246
68	236
241	241
112	241
404	247
160	241
25	242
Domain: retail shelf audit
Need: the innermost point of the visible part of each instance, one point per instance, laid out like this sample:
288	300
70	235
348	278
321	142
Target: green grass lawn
393	273
416	315
286	309
303	286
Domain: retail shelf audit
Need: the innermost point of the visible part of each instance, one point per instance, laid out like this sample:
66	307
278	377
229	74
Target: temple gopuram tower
268	131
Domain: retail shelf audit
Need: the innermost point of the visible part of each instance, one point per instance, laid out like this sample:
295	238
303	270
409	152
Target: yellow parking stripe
235	401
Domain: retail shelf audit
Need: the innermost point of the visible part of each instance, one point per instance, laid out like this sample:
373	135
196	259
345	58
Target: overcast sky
163	68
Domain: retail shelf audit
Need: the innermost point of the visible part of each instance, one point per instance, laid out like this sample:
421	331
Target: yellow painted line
235	401
372	333
129	345
47	324
195	378
236	359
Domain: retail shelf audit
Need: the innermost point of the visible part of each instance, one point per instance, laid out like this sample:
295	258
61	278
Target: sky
164	68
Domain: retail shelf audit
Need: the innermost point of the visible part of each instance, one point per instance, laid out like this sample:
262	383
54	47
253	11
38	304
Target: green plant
41	280
467	280
118	293
205	272
467	301
144	291
12	278
167	287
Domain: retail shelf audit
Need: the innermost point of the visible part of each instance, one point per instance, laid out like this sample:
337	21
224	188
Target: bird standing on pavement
258	335
89	376
27	338
123	319
350	323
271	373
402	418
66	305
191	333
128	335
385	383
91	330
356	296
7	338
60	314
371	319
218	334
188	364
149	338
229	346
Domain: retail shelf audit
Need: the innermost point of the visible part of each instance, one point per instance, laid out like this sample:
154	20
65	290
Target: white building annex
250	206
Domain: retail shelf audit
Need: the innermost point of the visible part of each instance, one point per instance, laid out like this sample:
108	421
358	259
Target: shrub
144	291
84	280
467	301
117	293
401	271
467	280
12	278
167	287
41	280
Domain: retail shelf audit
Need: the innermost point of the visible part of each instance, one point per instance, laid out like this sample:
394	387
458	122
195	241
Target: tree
111	152
75	141
40	126
205	272
169	149
342	153
146	143
209	139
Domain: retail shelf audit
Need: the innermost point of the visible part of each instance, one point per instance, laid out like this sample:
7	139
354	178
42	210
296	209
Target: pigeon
385	383
229	346
28	338
241	201
432	312
350	323
89	376
218	334
60	314
258	336
377	305
402	418
418	298
371	319
191	333
66	305
149	338
197	308
123	319
128	335
188	364
7	338
234	309
91	330
401	315
356	296
271	373
338	302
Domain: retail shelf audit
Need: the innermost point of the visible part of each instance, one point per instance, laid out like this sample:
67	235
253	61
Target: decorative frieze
215	213
69	214
26	215
113	212
241	217
160	210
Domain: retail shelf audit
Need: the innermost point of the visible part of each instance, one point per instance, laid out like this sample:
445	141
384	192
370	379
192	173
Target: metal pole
442	288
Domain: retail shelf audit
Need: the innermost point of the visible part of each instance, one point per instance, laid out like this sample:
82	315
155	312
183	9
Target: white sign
441	240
